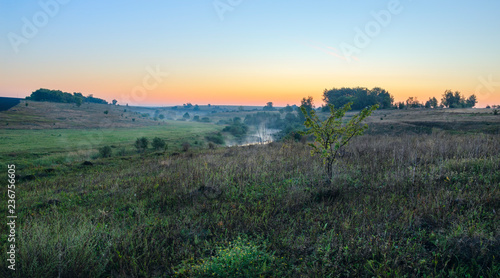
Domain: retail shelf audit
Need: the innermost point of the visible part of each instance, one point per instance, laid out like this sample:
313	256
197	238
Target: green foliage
240	258
424	207
60	96
412	102
307	103
186	116
216	138
330	135
360	97
158	143
105	151
106	112
141	144
237	128
456	100
49	250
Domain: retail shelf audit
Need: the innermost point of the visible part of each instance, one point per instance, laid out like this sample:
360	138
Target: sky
241	52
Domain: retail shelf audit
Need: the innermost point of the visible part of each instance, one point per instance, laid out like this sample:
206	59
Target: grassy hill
51	115
419	199
409	205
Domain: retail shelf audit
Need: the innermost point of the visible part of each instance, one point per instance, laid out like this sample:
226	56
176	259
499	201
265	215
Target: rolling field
420	199
53	146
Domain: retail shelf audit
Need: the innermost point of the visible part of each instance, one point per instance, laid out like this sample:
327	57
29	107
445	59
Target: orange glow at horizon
237	90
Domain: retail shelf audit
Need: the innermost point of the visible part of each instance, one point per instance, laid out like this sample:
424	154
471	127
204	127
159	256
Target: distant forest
60	96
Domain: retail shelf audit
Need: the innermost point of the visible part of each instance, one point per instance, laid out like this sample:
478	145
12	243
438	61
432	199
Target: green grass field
404	202
53	146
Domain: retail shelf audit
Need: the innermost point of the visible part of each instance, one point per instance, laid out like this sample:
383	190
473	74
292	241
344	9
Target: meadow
414	200
52	147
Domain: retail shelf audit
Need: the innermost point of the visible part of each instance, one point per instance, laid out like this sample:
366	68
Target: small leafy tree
141	144
158	143
330	135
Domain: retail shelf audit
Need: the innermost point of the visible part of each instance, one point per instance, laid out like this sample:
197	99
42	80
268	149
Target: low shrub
105	151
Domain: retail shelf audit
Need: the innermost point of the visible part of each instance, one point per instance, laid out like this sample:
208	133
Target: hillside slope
50	115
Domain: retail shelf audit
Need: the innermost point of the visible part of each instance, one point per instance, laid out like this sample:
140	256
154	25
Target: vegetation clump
158	143
237	128
105	151
141	144
331	135
216	138
239	258
60	96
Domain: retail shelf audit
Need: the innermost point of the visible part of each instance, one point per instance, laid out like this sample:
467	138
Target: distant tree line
60	96
359	96
363	97
449	100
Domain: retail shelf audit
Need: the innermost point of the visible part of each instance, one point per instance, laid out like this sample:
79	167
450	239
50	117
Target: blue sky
258	51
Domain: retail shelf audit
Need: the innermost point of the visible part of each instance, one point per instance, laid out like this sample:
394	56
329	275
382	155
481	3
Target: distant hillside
26	114
8	102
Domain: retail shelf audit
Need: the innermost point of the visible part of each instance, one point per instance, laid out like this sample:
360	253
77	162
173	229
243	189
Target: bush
215	138
105	151
141	144
237	129
185	146
241	258
158	143
106	112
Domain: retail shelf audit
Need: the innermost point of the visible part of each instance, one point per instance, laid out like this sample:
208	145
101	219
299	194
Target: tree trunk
329	170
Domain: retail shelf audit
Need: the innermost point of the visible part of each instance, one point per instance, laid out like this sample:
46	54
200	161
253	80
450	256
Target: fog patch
261	135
